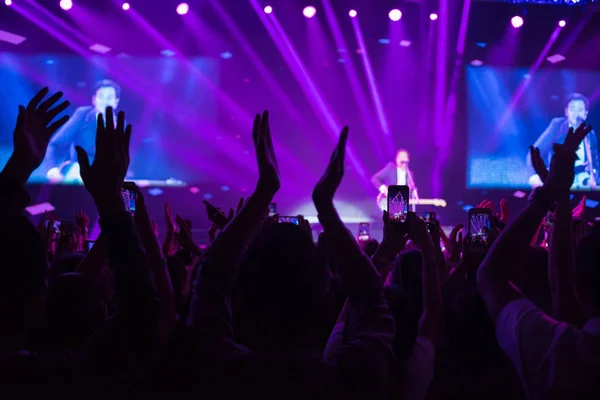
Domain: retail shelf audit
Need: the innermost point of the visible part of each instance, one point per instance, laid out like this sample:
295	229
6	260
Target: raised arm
131	338
210	313
371	327
545	141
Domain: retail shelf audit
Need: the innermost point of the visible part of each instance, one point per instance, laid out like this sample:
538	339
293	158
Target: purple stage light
309	11
562	23
433	16
352	13
66	4
126	6
182	8
8	2
517	21
268	10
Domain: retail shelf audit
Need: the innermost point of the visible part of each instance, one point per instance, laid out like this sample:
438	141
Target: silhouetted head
282	291
74	311
23	282
587	271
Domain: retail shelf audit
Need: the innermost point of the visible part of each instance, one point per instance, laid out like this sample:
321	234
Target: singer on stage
61	160
586	167
395	173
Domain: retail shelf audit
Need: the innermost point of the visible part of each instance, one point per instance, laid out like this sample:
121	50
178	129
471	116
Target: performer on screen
61	158
586	167
395	173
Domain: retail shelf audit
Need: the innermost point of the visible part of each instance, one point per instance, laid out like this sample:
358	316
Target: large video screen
508	110
170	103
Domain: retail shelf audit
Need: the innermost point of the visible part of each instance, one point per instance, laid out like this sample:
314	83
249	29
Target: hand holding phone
398	202
130	193
480	225
290	220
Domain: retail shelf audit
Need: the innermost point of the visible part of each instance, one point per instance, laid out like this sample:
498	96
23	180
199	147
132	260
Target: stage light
433	16
182	8
66	4
395	14
516	21
352	13
562	23
268	10
8	2
126	6
309	11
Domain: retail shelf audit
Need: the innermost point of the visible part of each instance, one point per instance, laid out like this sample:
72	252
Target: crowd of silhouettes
265	312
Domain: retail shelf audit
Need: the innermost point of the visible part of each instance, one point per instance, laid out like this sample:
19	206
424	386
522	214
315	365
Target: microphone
580	120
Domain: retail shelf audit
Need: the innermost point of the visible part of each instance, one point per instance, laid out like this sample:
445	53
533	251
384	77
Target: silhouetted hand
269	180
418	232
34	127
169	220
325	189
104	177
455	243
82	220
579	210
215	215
503	214
538	163
562	168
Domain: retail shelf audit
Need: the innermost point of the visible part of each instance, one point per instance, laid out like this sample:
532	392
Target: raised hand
503	214
562	168
538	163
455	241
104	177
268	170
33	130
169	220
215	215
331	180
579	210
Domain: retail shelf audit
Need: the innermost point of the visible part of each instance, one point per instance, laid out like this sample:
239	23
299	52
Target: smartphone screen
289	220
129	192
89	244
272	209
398	202
480	224
364	231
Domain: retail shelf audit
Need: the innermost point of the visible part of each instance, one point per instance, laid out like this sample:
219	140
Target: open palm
34	127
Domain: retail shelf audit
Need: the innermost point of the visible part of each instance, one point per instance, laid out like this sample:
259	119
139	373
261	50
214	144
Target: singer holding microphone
586	167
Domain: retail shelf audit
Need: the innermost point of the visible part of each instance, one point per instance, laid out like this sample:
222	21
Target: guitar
382	202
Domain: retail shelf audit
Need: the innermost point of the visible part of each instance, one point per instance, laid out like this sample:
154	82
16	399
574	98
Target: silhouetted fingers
51	114
49	102
110	119
35	101
57	124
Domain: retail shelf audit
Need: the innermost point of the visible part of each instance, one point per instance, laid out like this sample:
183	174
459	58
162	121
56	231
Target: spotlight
433	16
309	11
352	13
126	6
268	10
562	23
8	2
66	4
182	8
517	21
395	15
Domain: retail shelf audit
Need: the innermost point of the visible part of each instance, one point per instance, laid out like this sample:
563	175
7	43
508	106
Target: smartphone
89	244
480	224
364	231
130	191
272	209
66	228
289	220
398	202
